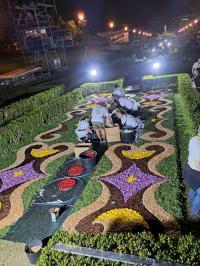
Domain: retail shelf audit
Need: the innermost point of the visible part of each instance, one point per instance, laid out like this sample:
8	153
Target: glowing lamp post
81	16
111	24
126	28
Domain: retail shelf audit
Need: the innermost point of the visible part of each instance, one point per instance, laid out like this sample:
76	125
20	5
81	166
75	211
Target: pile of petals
138	154
66	184
90	154
75	170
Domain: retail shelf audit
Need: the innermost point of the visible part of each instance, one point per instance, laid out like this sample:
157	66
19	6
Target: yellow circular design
131	179
18	173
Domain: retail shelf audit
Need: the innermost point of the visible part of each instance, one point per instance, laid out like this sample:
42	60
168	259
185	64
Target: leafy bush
33	123
158	82
190	98
90	88
19	108
183	249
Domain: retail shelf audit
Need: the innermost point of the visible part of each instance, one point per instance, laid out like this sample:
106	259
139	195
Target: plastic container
32	250
127	136
88	162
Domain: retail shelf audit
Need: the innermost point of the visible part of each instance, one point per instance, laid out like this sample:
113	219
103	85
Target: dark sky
150	14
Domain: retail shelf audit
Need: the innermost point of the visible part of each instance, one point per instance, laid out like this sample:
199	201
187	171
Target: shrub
190	98
183	249
90	88
159	82
21	107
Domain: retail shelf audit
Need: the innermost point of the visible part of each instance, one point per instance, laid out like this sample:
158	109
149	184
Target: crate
81	147
113	134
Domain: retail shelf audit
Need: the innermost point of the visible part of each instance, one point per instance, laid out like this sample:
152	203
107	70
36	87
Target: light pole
82	22
111	25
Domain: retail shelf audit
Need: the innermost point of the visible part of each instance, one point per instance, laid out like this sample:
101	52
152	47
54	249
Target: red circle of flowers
75	170
67	183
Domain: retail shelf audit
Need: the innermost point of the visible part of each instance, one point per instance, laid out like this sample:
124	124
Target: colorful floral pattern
122	215
137	155
43	153
152	97
130	189
18	176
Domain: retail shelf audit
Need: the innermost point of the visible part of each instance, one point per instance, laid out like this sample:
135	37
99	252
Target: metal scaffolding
39	35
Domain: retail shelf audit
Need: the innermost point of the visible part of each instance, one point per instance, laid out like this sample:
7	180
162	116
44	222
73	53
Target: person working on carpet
99	118
118	92
83	130
191	174
131	106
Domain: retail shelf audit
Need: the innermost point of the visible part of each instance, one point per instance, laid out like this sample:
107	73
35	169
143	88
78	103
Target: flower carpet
127	200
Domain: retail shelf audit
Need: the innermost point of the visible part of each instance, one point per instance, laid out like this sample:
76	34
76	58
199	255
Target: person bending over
195	66
127	121
191	173
83	129
99	118
118	92
131	106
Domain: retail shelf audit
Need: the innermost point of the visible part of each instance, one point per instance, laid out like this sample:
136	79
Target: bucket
127	136
32	250
88	162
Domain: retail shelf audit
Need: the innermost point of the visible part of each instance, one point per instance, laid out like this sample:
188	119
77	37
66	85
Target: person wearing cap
118	92
195	66
131	106
191	173
99	117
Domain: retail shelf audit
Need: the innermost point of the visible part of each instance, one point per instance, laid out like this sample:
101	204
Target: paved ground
12	254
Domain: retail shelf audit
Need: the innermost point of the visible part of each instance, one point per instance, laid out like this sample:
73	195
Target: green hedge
190	98
90	88
184	249
159	82
32	124
21	107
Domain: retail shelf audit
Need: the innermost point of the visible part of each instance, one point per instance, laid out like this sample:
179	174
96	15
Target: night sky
149	14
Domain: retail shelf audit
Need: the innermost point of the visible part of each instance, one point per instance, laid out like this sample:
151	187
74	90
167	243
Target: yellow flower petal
131	179
18	173
43	153
137	155
1	205
151	103
122	215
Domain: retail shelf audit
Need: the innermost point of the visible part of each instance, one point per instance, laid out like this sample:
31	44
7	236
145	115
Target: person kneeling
83	130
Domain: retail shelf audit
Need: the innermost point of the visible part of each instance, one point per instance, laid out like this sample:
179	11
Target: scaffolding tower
40	38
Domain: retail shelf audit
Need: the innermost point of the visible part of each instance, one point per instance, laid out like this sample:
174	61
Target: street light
156	65
93	72
126	28
134	30
111	24
81	16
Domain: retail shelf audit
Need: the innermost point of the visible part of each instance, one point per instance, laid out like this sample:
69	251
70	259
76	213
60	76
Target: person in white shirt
128	121
99	117
129	105
191	173
118	92
83	129
195	66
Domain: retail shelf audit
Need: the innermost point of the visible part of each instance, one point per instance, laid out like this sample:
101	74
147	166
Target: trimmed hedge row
184	249
190	98
90	88
33	122
159	82
19	108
